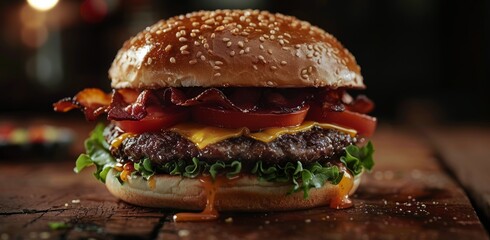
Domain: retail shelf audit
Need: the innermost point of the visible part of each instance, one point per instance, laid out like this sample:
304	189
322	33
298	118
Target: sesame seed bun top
234	48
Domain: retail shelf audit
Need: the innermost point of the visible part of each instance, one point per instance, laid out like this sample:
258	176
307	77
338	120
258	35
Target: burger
229	110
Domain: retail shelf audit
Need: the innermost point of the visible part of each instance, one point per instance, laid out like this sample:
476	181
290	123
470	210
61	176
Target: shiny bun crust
245	194
234	48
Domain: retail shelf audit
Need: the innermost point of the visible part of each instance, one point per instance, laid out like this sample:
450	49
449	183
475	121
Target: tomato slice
156	120
362	123
252	120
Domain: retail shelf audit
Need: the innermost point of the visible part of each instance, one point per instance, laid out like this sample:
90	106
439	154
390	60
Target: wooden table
411	194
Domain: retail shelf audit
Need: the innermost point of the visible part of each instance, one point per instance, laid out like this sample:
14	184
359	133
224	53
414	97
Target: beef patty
310	146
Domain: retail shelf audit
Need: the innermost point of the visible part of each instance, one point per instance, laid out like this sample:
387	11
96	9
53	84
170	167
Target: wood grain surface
409	195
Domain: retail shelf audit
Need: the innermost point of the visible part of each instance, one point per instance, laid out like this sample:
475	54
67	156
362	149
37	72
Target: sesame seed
206	46
285	48
217	67
261	47
304	76
309	55
241	52
205	26
149	60
203	58
284	62
183	48
232	53
261	39
273	37
193	34
159	32
310	69
195	24
262	59
310	47
287	35
178	34
245	33
228	44
255	67
217	74
213	35
185	52
226	39
281	41
219	29
297	46
193	61
197	43
168	48
273	67
198	54
304	71
218	62
182	39
247	50
240	44
172	60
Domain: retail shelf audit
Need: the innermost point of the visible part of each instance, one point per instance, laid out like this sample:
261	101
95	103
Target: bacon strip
119	109
128	104
209	97
92	101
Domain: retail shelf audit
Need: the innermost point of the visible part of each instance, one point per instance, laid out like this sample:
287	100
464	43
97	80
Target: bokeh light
42	5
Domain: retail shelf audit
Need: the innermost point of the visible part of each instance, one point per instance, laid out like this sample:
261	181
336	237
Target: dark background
422	60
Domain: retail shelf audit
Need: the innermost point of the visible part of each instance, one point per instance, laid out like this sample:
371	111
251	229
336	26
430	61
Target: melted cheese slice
117	141
203	135
269	134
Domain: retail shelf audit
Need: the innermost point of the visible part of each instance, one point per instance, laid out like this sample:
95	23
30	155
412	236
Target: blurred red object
93	11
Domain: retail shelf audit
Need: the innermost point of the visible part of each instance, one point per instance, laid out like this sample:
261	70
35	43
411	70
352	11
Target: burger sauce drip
152	183
342	200
128	168
209	213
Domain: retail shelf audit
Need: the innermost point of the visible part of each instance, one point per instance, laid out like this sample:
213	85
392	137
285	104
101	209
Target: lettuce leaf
144	168
97	153
302	178
358	158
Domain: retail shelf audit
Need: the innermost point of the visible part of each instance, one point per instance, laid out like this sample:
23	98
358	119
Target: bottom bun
246	193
